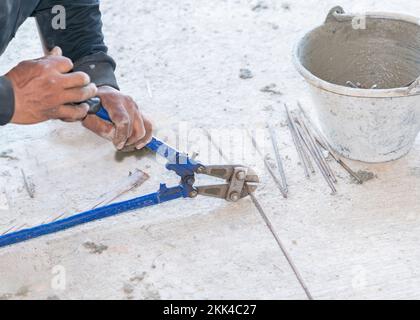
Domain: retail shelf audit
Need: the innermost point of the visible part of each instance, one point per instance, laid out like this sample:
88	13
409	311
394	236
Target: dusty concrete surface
182	60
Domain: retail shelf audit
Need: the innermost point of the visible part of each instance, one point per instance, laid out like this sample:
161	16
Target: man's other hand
129	130
44	89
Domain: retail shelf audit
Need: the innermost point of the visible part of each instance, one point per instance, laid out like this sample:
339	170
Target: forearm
7	101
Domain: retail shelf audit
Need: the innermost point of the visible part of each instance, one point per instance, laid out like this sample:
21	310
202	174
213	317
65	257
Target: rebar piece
281	246
268	166
269	225
278	157
297	142
317	150
317	160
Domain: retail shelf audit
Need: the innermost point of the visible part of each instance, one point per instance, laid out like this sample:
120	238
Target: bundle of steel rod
323	143
309	144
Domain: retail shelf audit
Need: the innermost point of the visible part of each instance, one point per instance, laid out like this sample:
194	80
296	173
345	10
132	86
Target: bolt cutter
239	182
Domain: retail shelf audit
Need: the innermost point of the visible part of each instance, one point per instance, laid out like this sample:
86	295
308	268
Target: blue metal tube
178	162
163	195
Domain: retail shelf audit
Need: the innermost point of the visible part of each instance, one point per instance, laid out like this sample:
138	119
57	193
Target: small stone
260	6
245	74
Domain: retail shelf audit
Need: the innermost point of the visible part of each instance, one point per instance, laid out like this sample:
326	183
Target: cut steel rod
276	180
278	157
281	246
296	142
317	160
268	166
315	146
270	227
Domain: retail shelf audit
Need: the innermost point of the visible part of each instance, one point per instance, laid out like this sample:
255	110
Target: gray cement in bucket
380	52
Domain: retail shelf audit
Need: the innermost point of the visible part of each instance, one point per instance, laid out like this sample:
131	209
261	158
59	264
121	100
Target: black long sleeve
82	40
7	101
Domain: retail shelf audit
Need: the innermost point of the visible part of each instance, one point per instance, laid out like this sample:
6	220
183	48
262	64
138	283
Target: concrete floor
181	61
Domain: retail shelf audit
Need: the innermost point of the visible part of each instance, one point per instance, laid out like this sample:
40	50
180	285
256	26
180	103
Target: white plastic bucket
375	49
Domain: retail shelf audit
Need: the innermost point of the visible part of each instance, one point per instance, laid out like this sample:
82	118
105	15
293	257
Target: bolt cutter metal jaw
240	181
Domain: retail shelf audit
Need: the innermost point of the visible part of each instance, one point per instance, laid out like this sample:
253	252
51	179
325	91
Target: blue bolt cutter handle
163	195
154	145
178	162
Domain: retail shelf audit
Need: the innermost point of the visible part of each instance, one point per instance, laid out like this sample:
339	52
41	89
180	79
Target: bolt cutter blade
226	172
221	191
216	191
251	176
240	181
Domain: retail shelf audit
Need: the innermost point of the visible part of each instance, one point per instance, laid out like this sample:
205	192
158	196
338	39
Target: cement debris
271	88
260	6
364	176
95	248
245	74
7	155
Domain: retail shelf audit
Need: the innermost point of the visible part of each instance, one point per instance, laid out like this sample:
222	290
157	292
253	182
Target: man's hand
130	130
45	90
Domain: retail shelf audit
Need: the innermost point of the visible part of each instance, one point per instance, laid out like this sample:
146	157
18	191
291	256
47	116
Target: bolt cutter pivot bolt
234	196
190	181
193	194
241	175
201	169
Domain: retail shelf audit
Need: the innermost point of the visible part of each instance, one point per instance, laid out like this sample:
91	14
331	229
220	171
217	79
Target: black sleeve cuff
100	67
7	101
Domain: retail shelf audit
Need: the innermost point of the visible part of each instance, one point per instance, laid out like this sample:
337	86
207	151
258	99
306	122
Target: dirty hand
129	129
44	89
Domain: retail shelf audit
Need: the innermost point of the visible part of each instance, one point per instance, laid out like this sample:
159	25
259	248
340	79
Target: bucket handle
414	87
338	14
